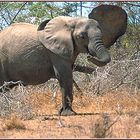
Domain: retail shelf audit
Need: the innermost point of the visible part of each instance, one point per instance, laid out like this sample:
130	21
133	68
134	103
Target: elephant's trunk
101	55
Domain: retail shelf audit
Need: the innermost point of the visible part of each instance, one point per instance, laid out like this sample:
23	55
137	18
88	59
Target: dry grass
98	118
14	123
113	103
101	126
112	115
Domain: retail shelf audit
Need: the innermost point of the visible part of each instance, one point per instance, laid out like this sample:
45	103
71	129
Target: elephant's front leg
64	75
67	97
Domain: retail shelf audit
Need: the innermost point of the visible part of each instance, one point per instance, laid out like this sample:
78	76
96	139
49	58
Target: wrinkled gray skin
36	56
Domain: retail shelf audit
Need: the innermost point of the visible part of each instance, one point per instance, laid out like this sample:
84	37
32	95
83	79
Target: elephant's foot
67	112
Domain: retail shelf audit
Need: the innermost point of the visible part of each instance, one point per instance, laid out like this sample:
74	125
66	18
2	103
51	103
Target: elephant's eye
82	35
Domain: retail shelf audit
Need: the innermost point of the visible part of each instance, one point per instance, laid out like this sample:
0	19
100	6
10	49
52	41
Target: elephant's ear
112	20
42	25
56	36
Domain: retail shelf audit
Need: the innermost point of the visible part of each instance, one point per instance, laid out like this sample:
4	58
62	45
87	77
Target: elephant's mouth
95	60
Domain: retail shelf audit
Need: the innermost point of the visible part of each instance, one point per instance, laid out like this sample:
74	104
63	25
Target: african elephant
35	54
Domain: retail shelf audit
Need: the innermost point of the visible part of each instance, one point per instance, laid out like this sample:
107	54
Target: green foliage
34	12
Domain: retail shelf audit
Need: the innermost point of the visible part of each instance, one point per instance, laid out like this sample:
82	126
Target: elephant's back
18	30
17	37
21	28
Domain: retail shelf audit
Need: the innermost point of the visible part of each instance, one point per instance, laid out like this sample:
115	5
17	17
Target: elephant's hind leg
3	76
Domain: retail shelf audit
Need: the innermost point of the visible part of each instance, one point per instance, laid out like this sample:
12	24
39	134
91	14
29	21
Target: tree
33	12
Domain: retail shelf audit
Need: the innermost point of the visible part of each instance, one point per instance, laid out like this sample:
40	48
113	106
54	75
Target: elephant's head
88	39
113	23
68	36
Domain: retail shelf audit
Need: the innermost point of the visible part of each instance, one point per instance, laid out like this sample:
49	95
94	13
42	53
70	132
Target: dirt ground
112	115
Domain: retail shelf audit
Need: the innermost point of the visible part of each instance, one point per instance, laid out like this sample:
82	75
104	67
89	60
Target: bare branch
131	4
18	12
6	85
5	19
